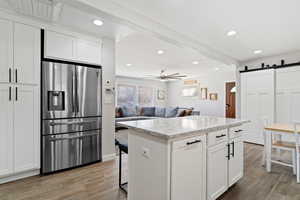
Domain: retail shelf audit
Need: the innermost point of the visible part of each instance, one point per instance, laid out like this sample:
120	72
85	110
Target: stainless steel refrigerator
71	116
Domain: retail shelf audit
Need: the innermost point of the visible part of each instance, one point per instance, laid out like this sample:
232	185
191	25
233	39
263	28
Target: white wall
215	83
108	110
145	82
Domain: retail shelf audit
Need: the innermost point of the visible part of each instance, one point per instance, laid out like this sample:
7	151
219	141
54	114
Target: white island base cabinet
200	167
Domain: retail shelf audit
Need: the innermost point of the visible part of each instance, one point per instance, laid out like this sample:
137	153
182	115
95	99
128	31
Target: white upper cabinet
70	48
6	49
26	54
88	51
26	129
59	46
6	133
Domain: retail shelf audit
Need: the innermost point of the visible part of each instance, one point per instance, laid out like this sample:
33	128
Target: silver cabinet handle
9	93
16	93
9	75
16	75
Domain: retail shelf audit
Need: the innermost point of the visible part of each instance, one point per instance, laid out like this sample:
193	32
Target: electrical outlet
145	152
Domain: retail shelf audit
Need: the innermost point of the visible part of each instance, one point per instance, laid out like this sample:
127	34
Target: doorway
230	99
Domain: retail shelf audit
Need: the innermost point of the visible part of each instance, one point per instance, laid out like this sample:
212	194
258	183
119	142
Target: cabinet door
59	46
89	52
26	124
188	169
6	49
26	54
6	133
217	170
236	162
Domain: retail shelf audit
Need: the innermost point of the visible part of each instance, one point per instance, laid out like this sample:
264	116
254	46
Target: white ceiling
140	50
69	17
270	25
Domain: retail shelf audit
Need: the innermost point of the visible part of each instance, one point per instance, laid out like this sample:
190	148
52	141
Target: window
145	96
126	95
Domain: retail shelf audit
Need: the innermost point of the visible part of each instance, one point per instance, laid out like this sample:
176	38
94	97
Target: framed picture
189	91
161	94
213	96
203	93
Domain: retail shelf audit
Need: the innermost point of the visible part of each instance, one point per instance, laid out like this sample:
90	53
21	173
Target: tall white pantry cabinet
19	98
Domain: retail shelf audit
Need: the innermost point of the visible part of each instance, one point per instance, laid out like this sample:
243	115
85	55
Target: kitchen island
192	158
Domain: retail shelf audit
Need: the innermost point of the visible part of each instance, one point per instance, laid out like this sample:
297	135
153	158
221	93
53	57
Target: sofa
132	113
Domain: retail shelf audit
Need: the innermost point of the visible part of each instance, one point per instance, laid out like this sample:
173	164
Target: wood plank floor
100	182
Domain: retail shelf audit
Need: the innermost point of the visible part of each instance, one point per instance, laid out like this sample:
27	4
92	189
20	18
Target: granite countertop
173	128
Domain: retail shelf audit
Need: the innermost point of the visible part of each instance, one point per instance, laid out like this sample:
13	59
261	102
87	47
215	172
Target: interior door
230	100
6	133
257	102
217	170
88	92
6	50
26	128
236	162
26	54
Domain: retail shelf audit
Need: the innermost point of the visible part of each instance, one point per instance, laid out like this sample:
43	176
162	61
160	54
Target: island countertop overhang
182	127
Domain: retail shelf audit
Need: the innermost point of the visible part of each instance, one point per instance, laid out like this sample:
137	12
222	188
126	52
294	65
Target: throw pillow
180	113
171	112
188	112
160	112
118	112
129	111
148	111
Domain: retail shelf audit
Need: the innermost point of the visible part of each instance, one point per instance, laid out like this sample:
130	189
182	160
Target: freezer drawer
62	126
70	150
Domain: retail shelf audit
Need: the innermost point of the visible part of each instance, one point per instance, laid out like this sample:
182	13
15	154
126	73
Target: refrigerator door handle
71	123
73	90
76	91
74	137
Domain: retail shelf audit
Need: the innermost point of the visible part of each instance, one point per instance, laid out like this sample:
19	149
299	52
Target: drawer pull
237	131
219	136
194	142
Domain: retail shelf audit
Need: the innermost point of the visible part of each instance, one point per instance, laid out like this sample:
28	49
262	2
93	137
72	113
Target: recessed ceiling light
160	52
231	33
195	62
257	51
217	68
129	64
98	22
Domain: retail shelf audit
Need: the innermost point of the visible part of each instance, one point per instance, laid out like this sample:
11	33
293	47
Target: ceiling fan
164	76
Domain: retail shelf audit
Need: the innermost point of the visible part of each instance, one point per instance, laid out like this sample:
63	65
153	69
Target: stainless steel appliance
71	115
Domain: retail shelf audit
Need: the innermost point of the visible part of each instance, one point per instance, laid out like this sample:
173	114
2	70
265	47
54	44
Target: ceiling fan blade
173	74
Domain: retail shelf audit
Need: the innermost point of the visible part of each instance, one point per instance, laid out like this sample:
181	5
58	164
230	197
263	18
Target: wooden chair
279	146
297	139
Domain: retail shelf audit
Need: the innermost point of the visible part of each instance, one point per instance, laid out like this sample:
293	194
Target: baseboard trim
20	175
108	157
